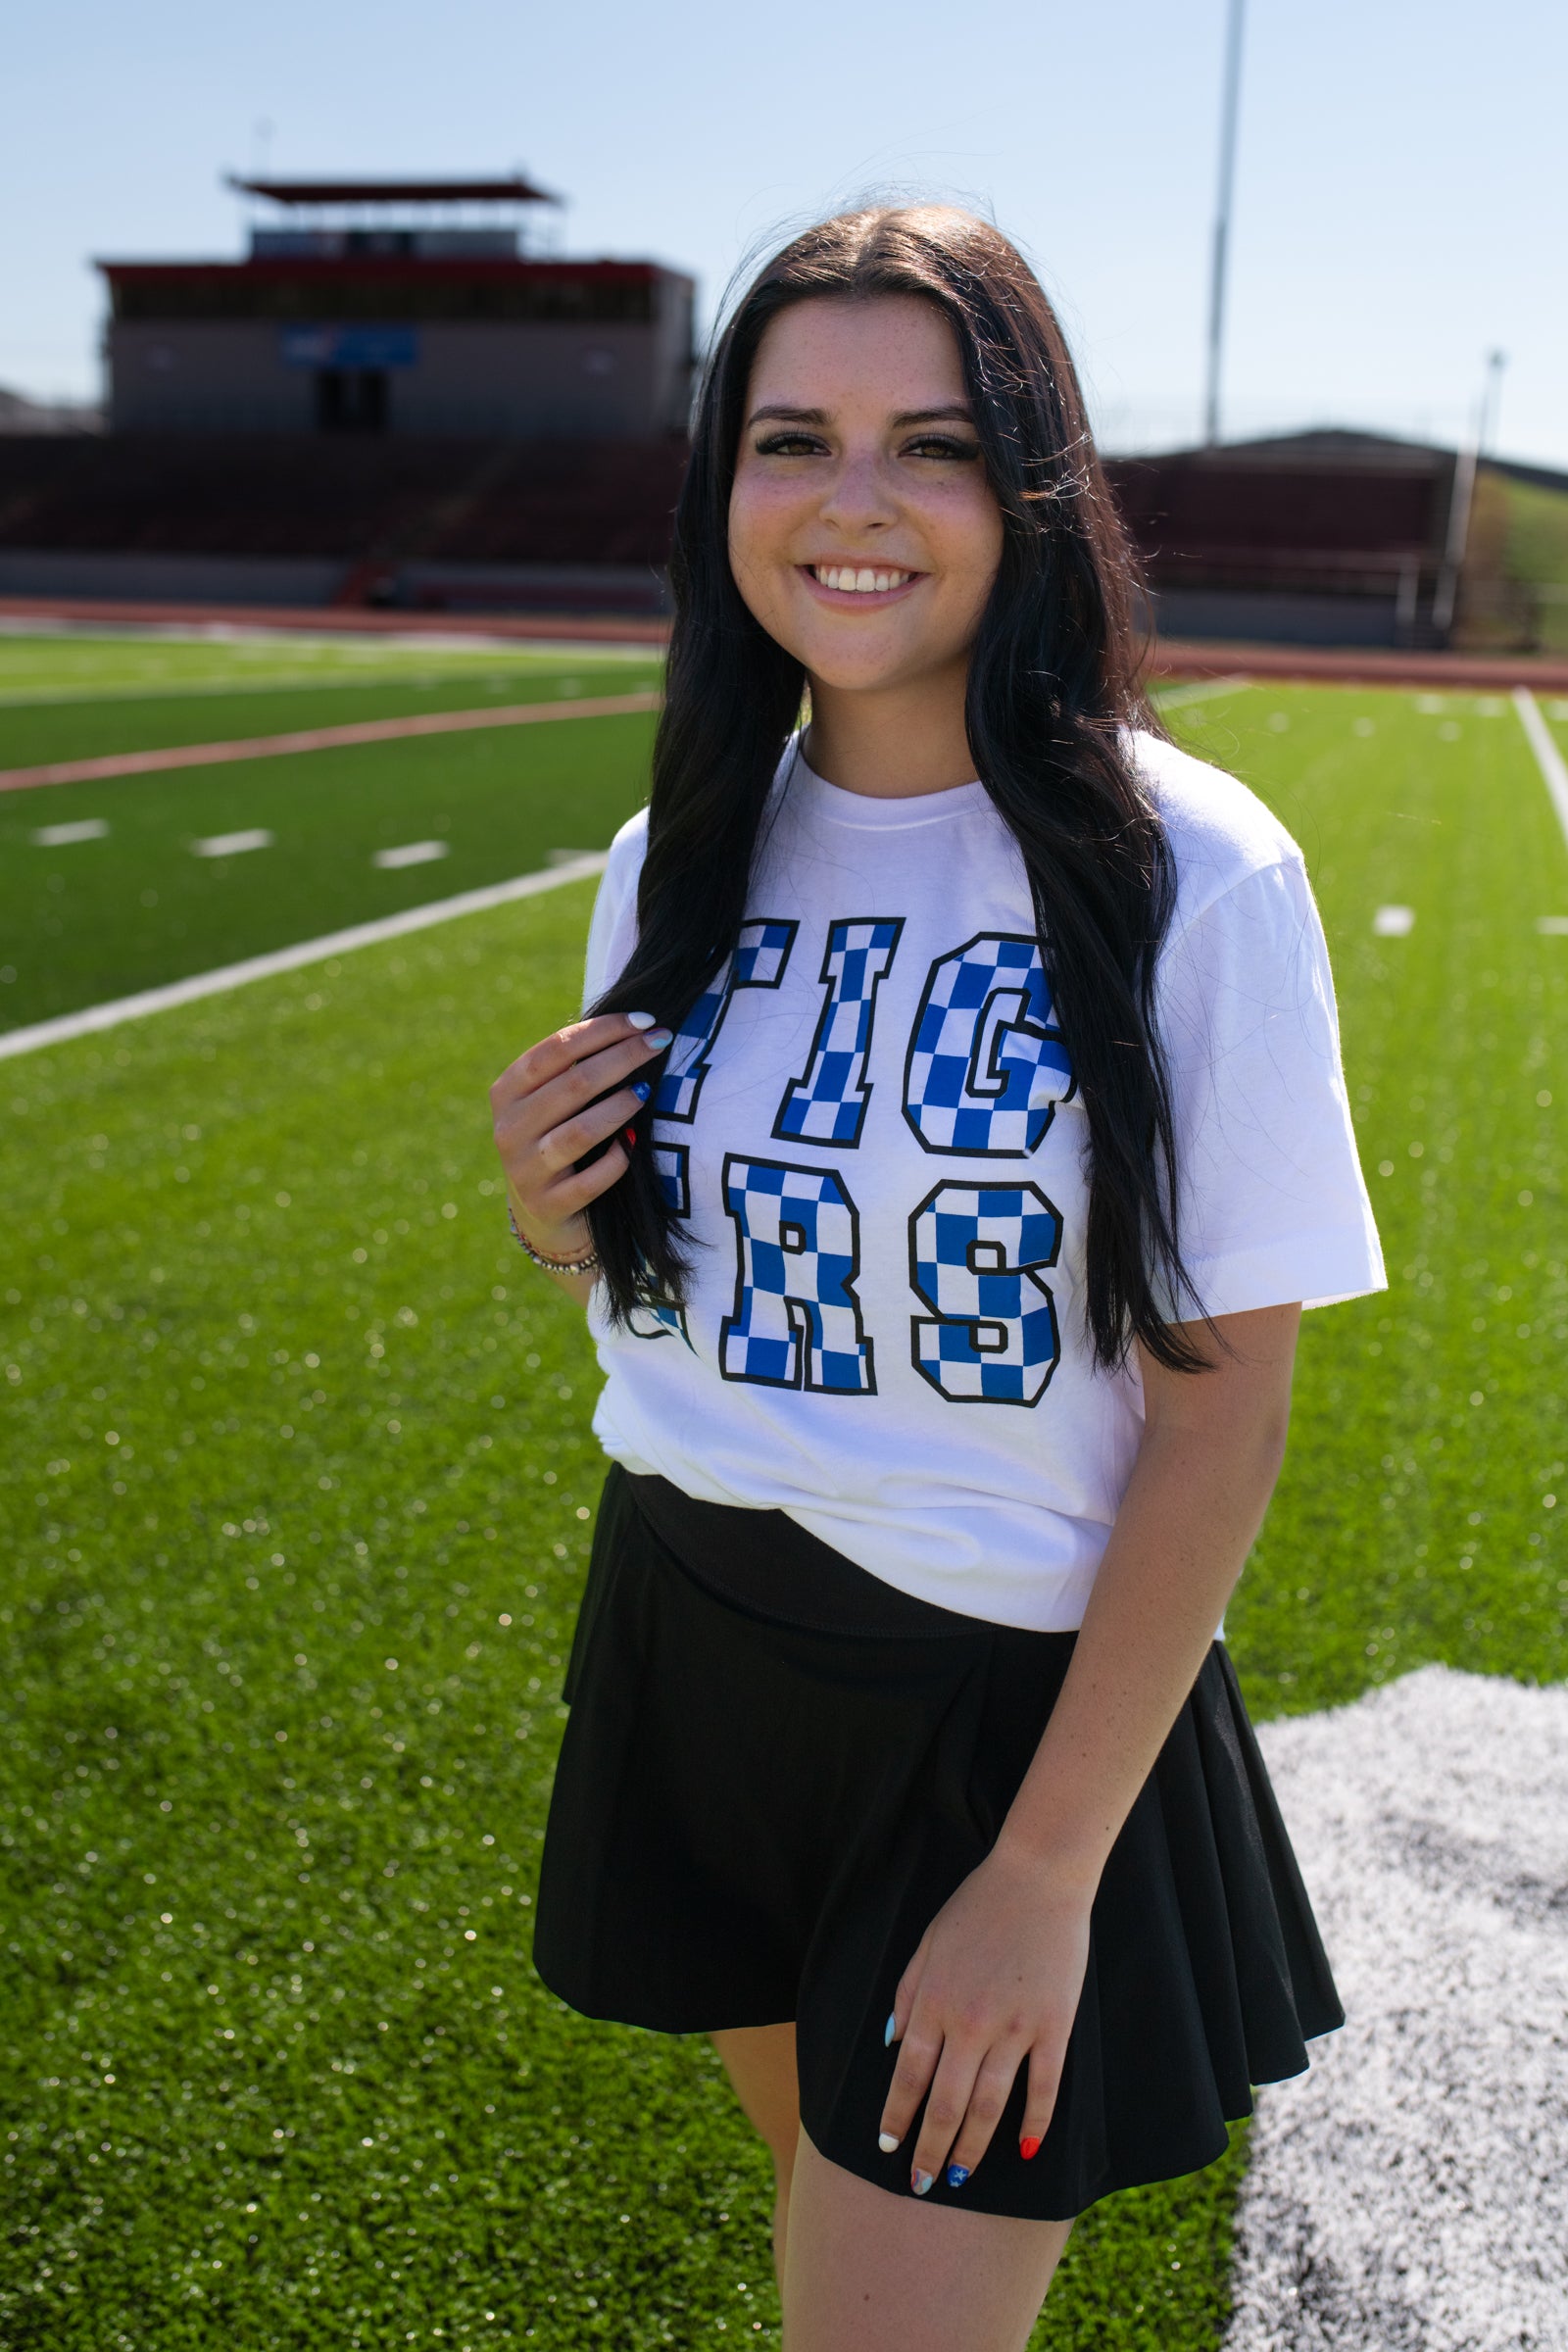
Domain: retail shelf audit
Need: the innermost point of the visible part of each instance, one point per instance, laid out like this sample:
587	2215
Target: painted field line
93	1017
1548	759
1407	2191
1171	698
317	739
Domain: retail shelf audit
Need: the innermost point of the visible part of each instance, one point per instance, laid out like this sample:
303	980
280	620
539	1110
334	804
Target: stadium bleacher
605	502
371	506
1331	537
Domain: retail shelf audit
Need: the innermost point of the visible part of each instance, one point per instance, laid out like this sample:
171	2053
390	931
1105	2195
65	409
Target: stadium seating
381	500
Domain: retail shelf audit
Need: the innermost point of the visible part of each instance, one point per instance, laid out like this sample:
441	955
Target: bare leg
759	2061
869	2272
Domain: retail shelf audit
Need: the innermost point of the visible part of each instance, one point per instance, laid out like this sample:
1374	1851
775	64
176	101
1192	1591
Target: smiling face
863	534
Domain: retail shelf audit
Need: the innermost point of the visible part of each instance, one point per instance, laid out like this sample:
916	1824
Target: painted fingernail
886	2142
642	1020
630	1135
641	1089
658	1039
958	2174
891	2035
1028	2148
920	2182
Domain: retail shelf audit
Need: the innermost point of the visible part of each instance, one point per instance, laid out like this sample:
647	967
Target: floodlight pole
1462	497
1229	108
1490	398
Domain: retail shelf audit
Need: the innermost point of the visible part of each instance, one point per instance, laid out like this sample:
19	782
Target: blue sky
1401	202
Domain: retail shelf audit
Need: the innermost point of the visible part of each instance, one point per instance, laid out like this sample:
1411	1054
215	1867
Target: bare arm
997	1976
1213	1443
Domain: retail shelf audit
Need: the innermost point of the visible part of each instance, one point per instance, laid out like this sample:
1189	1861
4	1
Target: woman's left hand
994	1981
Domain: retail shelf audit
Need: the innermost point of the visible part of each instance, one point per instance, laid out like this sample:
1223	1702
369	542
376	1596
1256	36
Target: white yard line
94	1017
1548	759
1203	690
1408	2194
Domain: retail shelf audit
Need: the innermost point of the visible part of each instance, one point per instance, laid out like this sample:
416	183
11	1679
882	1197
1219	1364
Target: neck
891	745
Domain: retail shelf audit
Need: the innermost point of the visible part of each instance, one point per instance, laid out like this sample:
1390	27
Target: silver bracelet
550	1265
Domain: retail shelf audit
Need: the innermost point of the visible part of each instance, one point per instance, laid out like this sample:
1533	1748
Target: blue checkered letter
797	1321
987	1062
975	1250
655	1318
828	1105
762	952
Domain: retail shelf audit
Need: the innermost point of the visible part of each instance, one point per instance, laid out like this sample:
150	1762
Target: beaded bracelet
550	1265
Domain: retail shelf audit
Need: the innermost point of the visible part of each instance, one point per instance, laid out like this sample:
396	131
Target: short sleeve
1272	1205
613	929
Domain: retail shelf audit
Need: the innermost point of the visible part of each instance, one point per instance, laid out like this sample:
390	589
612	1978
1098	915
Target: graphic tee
870	1127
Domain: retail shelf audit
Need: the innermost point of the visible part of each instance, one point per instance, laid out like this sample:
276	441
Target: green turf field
284	1406
86	919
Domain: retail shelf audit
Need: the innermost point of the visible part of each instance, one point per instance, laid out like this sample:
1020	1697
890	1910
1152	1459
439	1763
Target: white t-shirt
870	1126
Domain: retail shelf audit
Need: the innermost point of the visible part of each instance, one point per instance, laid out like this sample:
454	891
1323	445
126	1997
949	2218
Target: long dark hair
1053	684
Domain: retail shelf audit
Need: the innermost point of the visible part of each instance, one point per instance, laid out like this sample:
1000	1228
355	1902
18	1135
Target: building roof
516	190
390	267
1328	449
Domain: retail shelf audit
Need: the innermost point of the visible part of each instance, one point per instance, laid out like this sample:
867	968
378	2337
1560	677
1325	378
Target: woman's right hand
547	1115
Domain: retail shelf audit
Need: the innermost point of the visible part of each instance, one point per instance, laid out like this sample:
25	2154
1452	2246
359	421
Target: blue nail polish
642	1090
658	1039
920	2183
891	2035
958	2174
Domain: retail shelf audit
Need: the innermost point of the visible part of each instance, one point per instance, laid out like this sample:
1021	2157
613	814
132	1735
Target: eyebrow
956	412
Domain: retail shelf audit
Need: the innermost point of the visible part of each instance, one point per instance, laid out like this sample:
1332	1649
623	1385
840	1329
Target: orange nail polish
1028	2148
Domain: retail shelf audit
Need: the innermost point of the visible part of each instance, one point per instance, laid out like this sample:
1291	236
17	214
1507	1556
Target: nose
860	497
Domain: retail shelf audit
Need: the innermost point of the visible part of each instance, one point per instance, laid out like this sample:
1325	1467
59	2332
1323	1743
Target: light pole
1228	107
1463	494
1491	401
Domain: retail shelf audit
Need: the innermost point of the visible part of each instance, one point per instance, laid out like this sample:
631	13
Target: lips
861	579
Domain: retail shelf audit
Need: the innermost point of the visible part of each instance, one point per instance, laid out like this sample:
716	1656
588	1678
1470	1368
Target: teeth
860	581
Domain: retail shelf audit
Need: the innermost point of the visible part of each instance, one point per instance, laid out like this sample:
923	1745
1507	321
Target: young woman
955	1130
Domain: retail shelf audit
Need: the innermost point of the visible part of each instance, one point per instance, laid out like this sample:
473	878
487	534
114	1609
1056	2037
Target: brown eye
787	445
937	445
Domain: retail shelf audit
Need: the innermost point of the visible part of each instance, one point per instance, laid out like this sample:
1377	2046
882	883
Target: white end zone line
1548	759
93	1017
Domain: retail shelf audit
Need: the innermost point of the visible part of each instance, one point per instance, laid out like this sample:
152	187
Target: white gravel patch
1410	2194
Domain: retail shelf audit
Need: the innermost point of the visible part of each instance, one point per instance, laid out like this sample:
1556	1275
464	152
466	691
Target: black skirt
777	1770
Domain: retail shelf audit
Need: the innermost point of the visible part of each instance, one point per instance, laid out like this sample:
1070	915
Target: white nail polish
642	1020
886	2142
